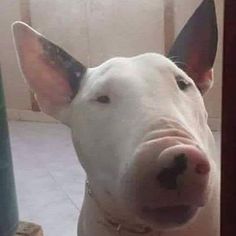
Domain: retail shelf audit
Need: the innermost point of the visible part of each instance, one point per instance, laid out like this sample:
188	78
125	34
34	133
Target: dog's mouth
176	202
169	216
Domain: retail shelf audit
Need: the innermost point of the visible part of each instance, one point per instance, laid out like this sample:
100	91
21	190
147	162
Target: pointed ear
195	48
51	73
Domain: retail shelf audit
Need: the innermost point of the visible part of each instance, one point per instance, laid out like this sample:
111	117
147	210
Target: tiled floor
49	179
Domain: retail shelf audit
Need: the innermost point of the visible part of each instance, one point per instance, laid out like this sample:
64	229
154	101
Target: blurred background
49	179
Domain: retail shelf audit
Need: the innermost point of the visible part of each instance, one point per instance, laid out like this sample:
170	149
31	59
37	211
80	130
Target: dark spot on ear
73	69
168	176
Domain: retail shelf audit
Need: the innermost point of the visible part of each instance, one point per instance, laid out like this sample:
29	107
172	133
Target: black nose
168	176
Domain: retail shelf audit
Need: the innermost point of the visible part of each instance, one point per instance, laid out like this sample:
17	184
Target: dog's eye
182	83
103	99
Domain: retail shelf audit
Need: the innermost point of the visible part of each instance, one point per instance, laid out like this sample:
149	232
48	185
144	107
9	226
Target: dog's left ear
51	72
195	48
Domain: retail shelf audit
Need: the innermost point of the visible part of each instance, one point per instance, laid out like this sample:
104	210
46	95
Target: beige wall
94	30
16	91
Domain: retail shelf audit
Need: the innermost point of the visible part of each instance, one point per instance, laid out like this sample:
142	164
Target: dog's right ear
52	73
194	49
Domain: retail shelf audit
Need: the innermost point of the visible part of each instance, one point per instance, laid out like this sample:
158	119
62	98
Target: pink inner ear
45	78
203	80
197	65
208	76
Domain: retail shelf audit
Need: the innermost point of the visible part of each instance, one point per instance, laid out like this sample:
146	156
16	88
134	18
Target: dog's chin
168	218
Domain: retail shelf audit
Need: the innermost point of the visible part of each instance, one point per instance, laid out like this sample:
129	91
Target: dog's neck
104	223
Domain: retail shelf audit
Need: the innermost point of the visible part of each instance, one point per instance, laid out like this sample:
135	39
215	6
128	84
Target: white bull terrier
139	126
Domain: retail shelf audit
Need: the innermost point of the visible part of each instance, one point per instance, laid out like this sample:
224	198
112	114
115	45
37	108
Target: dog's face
123	99
138	124
131	117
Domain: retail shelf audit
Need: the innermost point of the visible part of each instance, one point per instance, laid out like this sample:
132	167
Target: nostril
180	163
168	176
202	169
